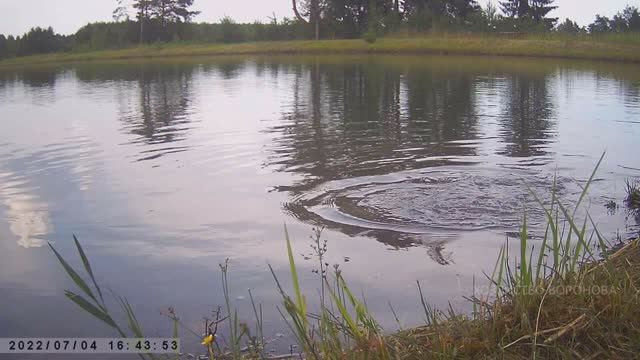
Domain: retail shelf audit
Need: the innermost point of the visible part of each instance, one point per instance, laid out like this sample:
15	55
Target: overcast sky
66	16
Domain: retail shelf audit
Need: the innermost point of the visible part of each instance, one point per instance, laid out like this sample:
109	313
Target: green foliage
530	13
632	201
342	326
39	41
570	27
566	249
102	35
230	32
600	25
625	21
515	8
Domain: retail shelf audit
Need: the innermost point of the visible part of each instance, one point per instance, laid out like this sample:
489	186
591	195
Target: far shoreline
569	48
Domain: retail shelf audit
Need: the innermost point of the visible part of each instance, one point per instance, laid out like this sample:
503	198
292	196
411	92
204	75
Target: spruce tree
515	8
540	8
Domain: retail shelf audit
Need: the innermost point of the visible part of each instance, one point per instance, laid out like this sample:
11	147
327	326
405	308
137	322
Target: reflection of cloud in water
27	215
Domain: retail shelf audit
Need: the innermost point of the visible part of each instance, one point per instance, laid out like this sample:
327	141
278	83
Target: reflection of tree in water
441	109
348	120
227	69
38	77
161	114
40	82
527	118
626	79
153	98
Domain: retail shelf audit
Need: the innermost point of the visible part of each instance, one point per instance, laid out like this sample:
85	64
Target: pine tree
540	8
120	13
143	8
172	11
163	12
515	8
182	10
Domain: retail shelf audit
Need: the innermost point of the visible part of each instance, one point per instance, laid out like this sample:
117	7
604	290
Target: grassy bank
592	313
552	47
574	297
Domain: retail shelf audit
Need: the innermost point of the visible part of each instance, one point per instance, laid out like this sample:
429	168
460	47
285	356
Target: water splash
420	202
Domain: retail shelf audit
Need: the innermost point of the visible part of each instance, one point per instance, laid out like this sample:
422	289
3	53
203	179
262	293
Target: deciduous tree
631	15
570	27
462	9
599	25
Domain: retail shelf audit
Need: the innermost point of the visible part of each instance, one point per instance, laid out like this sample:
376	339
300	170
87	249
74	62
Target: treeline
628	20
151	21
36	41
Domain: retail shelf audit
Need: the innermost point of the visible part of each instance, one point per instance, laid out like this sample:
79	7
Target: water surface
417	168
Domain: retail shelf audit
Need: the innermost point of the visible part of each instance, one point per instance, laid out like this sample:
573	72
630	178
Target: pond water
417	168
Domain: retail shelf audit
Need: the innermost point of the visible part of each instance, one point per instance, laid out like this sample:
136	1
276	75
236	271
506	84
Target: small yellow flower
207	340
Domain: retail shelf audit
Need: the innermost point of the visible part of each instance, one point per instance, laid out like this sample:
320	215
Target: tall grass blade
134	325
585	189
300	302
87	267
575	228
523	251
90	308
74	275
541	254
351	324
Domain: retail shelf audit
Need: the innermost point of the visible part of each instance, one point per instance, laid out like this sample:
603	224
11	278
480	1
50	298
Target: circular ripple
414	202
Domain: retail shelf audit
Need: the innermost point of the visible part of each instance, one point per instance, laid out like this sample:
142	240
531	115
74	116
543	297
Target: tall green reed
343	325
566	244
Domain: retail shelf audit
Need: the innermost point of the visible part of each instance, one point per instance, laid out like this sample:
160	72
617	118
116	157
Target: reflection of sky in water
165	170
27	215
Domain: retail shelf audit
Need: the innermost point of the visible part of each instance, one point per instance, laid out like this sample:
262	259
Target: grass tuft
632	201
